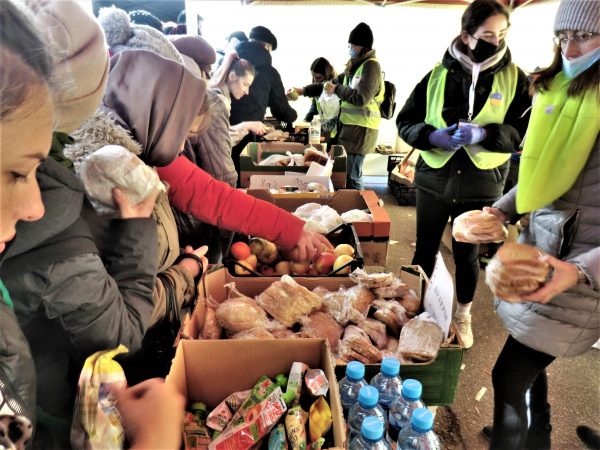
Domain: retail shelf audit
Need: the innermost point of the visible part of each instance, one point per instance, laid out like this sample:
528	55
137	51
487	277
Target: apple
299	268
341	261
313	272
256	246
241	266
252	260
294	255
269	253
268	271
240	250
282	268
344	249
324	262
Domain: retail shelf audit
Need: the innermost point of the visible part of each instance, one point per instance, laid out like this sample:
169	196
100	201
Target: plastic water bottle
388	382
314	131
350	385
371	436
402	408
367	405
419	435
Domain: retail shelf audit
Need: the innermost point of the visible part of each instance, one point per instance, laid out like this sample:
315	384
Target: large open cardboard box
439	377
208	371
374	236
257	151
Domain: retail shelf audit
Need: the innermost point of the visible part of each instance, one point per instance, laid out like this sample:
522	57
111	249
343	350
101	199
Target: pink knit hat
82	63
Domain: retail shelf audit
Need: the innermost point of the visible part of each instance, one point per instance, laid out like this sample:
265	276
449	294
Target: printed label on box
440	294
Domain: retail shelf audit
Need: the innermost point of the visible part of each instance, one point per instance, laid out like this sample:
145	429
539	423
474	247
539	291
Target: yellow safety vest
367	116
494	110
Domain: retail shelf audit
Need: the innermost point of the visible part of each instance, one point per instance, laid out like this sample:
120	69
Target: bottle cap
412	389
422	420
368	396
355	370
281	380
289	397
372	428
390	366
198	406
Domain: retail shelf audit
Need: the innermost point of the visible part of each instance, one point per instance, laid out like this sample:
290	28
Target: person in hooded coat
462	170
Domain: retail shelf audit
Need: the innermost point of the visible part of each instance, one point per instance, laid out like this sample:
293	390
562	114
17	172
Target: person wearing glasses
467	116
559	185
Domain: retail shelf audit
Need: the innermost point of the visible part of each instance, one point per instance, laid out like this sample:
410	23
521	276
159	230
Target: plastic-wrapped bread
420	339
321	325
360	298
311	154
478	227
391	313
371	280
356	346
240	313
287	301
411	303
284	333
390	348
211	328
253	333
339	305
375	330
516	270
397	288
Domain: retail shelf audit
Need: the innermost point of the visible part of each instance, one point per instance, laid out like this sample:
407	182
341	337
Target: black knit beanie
263	34
361	35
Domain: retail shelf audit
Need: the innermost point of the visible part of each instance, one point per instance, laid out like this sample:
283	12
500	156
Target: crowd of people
76	280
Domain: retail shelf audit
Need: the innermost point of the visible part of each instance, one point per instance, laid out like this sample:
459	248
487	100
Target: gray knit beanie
580	15
121	35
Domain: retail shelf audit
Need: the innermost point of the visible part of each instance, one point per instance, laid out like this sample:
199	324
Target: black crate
342	234
405	194
278	124
393	161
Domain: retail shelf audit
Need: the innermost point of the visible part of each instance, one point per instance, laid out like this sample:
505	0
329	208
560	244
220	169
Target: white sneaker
463	323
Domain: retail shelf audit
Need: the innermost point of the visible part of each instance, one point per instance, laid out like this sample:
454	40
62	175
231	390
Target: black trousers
432	217
520	369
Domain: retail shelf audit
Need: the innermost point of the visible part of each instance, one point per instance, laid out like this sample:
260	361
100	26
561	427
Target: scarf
561	133
467	62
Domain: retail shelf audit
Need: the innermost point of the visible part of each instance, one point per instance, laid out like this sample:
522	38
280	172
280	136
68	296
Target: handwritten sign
279	181
439	295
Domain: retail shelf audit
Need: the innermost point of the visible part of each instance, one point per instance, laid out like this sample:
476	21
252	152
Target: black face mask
482	51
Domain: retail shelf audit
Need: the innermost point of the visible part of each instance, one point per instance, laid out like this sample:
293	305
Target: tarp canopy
510	3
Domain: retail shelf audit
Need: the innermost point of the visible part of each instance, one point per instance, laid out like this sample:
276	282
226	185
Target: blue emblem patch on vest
496	99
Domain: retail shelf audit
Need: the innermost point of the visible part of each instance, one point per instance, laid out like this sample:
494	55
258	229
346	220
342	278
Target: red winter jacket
195	192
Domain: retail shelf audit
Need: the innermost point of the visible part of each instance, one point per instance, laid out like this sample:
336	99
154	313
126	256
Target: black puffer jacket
266	91
459	180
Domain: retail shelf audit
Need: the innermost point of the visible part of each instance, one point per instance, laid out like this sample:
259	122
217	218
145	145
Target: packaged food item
360	298
320	420
478	227
420	339
391	313
255	424
371	280
195	433
391	348
316	382
356	346
516	270
219	417
395	289
281	381
318	444
277	440
235	400
295	379
287	301
356	215
239	312
375	330
312	154
253	333
411	303
211	328
261	390
321	325
295	425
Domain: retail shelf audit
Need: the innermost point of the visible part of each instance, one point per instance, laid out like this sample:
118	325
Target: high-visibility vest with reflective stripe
367	116
494	110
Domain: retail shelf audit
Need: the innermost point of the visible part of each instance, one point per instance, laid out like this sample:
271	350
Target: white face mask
574	67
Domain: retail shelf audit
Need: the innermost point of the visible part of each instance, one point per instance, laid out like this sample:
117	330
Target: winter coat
266	91
67	303
568	229
354	138
195	192
459	180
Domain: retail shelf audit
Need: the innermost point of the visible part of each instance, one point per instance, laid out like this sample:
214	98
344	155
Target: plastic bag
371	280
96	420
322	219
420	339
114	166
306	210
356	215
478	227
276	160
330	106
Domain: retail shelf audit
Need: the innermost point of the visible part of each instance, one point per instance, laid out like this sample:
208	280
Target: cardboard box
208	371
372	235
257	151
301	181
439	377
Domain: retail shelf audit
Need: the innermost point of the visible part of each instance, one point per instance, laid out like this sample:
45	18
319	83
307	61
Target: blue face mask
352	52
574	67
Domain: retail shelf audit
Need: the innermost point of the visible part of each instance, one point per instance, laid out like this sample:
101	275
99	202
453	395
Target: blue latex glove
442	138
468	135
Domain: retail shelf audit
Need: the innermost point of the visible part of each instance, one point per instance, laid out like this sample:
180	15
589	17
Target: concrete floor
574	383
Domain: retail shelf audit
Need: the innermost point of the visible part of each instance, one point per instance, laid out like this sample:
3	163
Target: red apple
324	262
240	250
313	272
268	271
